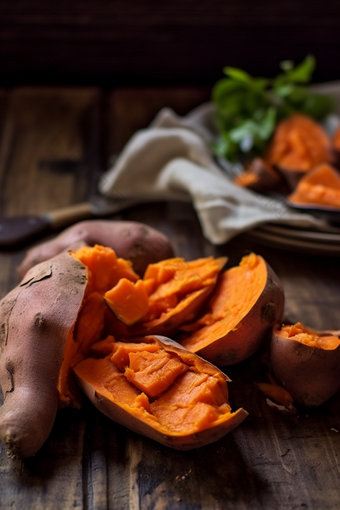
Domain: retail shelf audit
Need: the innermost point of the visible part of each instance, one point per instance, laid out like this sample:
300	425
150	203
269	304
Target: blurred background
131	43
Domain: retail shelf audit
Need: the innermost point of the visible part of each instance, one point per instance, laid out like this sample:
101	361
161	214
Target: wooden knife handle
67	215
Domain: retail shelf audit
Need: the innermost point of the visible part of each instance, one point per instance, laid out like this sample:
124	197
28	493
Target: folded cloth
171	160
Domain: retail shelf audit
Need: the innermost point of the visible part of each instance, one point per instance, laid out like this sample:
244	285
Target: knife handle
60	218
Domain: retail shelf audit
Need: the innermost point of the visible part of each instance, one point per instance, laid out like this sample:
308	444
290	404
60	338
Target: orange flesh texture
246	179
336	139
160	388
177	279
321	186
129	301
299	333
169	312
237	291
103	346
168	288
104	271
299	144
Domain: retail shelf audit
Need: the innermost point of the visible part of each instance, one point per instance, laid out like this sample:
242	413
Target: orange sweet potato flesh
247	302
306	362
298	145
170	291
180	289
104	270
156	388
128	301
319	187
336	139
259	176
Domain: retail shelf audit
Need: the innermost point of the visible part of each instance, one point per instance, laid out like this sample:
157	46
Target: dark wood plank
44	154
175	42
130	109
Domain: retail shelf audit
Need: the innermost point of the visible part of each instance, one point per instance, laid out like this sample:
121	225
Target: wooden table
54	144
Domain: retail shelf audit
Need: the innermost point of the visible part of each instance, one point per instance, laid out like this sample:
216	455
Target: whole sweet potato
35	320
133	241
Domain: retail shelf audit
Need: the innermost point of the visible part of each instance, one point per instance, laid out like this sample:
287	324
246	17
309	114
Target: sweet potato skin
179	442
246	339
35	319
310	374
139	243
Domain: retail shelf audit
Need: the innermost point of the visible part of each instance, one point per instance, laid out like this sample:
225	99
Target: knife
20	229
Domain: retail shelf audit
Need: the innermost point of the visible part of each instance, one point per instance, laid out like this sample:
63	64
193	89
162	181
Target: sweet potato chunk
320	187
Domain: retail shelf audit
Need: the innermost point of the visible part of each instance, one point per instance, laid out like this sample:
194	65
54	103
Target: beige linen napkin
171	160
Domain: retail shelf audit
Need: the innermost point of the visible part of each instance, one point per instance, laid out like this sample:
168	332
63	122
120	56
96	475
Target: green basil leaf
237	74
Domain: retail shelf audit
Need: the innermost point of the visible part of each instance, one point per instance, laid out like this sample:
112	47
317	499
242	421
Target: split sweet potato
319	188
306	363
247	302
298	145
156	388
133	241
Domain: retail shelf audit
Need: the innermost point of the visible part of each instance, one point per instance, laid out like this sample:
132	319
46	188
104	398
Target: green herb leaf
237	74
248	109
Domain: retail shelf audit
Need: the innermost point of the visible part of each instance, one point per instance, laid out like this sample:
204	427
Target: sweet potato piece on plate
319	188
298	145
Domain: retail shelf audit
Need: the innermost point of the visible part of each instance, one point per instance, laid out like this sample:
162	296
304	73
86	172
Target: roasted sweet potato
306	363
298	145
259	176
247	301
320	188
36	320
156	388
139	243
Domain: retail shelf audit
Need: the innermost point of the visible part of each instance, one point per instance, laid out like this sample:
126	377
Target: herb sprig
248	109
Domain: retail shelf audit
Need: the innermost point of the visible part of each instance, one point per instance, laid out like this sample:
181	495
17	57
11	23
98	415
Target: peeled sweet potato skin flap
171	393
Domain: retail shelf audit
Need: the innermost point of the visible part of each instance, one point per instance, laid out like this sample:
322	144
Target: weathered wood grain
44	157
134	108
